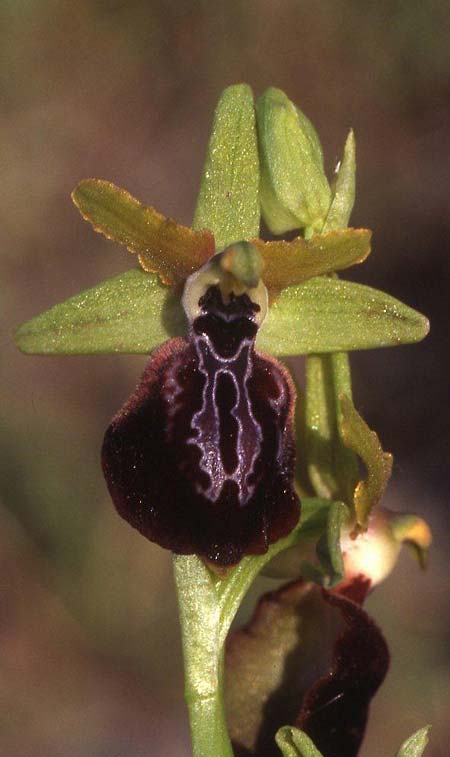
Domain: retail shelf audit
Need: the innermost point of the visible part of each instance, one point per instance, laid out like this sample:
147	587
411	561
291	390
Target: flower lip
201	457
292	631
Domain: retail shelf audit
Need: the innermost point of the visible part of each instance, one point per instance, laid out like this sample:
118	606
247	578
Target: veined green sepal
228	201
132	313
331	315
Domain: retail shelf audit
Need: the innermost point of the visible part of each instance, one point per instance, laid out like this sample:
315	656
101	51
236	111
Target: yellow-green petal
414	532
162	245
290	263
415	745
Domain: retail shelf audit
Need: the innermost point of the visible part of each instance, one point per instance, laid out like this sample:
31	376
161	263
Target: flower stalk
199	610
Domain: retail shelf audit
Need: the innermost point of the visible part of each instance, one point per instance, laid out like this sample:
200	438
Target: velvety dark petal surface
201	457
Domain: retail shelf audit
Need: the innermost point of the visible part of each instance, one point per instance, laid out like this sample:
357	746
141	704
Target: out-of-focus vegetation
90	660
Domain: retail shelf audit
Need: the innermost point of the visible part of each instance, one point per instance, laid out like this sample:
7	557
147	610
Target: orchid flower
216	456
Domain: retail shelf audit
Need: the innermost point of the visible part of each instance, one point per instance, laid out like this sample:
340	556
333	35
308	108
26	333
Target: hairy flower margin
201	458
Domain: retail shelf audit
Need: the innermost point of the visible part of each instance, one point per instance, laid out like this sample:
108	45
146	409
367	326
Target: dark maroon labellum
335	709
279	672
201	457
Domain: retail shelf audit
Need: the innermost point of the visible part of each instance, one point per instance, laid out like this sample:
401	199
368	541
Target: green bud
294	189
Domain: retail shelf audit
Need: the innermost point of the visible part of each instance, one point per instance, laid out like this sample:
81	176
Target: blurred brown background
90	661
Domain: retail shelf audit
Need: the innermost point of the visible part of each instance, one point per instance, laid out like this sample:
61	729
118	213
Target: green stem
208	721
200	617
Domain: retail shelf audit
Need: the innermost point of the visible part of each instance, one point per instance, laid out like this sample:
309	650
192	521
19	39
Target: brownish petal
289	263
162	245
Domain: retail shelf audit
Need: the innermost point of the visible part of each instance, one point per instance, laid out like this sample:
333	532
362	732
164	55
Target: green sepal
329	545
288	563
228	202
343	189
415	745
294	189
295	743
130	313
331	315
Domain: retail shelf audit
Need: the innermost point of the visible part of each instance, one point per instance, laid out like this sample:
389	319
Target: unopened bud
294	189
